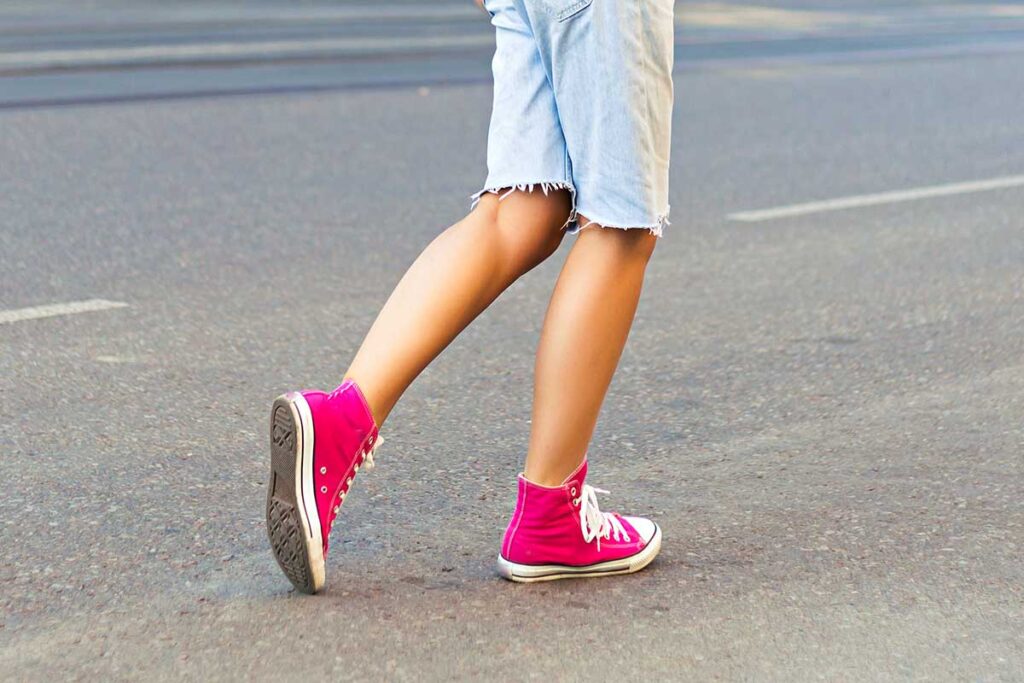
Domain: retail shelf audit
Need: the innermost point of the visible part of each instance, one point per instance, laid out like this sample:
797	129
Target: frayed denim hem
657	228
571	226
547	187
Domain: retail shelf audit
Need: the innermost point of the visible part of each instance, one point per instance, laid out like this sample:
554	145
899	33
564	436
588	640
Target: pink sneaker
559	533
318	442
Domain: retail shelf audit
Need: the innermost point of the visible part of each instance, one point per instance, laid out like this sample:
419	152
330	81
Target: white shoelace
594	523
368	457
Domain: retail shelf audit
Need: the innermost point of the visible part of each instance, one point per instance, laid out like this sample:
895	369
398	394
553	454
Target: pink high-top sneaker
559	533
318	442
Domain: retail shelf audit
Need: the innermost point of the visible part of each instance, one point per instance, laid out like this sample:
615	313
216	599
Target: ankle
546	480
551	475
378	409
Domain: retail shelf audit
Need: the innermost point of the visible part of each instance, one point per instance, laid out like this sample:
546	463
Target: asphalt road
823	411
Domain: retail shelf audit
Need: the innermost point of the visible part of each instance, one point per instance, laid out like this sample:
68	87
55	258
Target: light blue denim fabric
583	101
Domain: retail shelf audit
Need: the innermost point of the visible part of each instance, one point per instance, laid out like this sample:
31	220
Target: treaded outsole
284	526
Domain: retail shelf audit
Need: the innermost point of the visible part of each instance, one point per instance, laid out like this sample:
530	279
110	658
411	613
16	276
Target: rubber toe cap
645	527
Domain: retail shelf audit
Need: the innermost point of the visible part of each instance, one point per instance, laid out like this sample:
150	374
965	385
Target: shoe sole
293	525
531	573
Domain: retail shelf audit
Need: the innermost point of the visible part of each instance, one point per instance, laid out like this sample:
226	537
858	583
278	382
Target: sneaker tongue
579	474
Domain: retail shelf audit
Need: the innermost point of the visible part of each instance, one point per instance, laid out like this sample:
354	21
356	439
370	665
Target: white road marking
877	199
150	54
71	308
116	360
715	15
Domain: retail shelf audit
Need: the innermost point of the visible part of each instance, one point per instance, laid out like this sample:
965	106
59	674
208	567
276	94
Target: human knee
528	247
632	243
529	225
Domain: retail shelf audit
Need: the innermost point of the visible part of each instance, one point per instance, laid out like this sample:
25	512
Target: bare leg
455	278
584	333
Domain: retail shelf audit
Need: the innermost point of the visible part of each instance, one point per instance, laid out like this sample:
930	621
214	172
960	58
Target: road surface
202	205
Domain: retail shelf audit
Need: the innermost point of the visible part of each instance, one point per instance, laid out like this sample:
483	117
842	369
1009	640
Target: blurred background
55	51
205	203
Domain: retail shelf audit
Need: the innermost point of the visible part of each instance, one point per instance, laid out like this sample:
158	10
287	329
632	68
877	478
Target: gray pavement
824	413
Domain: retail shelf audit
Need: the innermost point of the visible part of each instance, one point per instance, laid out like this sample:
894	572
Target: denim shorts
583	102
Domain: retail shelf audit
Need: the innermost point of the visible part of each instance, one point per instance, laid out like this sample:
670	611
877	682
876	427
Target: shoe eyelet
323	470
323	489
573	490
370	441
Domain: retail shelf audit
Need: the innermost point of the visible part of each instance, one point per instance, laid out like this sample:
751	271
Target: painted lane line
147	19
153	54
49	311
898	196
